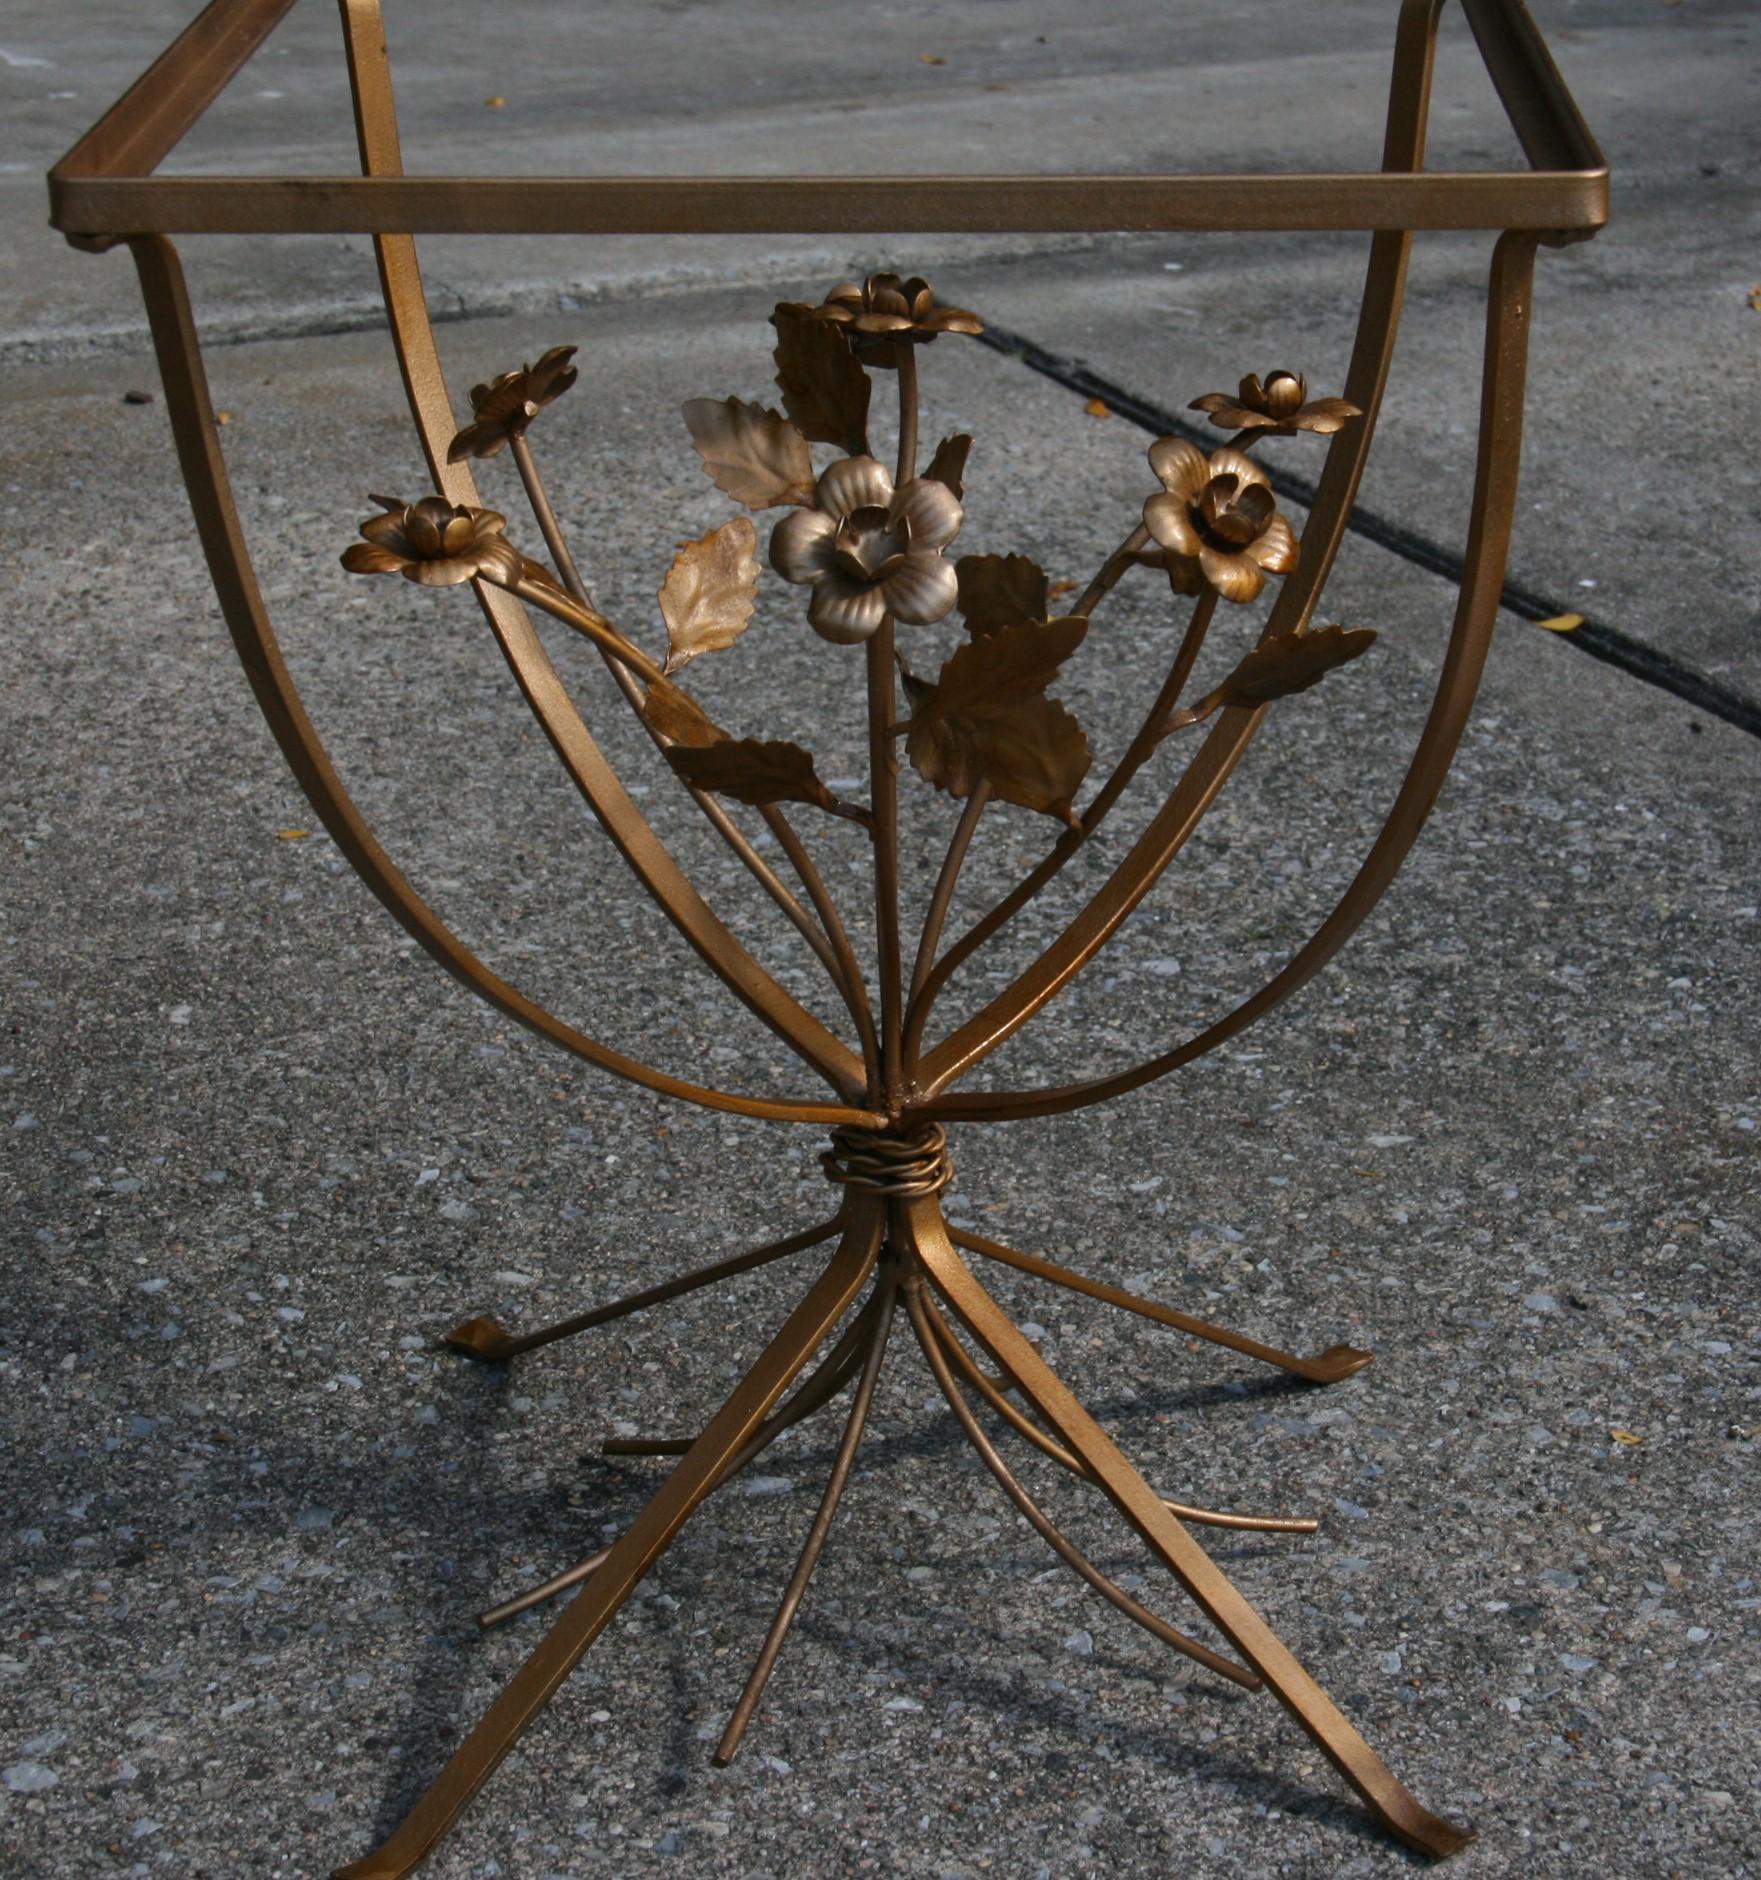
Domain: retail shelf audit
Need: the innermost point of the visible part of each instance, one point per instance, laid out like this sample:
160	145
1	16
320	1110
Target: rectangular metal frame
105	188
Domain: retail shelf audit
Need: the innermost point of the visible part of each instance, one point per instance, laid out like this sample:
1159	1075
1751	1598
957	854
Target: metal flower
437	543
868	550
504	407
885	312
1281	407
1220	510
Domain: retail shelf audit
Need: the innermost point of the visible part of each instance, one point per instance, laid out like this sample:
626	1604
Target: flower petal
801	545
364	558
921	587
499	559
1276	550
1164	515
1230	462
1233	576
1180	465
846	611
853	483
932	510
1326	415
387	531
448	572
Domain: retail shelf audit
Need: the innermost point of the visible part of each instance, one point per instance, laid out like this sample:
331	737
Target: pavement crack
1632	656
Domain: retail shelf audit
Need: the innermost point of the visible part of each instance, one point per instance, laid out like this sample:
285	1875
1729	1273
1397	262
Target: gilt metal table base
868	543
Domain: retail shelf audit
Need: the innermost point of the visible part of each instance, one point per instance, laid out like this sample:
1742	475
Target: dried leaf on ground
677	716
709	592
756	455
1561	623
948	465
824	390
1098	408
753	770
1000	591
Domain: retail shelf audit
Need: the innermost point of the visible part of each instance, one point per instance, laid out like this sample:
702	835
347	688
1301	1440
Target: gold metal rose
868	550
1280	406
1219	511
436	543
504	407
885	312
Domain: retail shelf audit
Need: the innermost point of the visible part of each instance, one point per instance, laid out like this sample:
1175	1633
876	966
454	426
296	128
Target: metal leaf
824	390
948	465
709	592
1031	752
1014	661
753	770
677	716
1291	662
987	719
756	455
1000	591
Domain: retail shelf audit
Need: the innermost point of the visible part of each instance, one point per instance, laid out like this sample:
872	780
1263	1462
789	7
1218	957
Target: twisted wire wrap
880	1162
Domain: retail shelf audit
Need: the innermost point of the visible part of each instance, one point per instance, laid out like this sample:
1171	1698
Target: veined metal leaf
1291	662
753	770
709	592
756	455
948	465
1000	591
824	390
987	719
677	716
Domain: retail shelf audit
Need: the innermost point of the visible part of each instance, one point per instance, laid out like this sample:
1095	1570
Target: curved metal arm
407	307
829	941
1470	639
241	601
1168	832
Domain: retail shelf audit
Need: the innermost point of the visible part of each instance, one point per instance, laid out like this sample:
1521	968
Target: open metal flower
868	550
1220	510
885	312
437	543
504	407
1280	406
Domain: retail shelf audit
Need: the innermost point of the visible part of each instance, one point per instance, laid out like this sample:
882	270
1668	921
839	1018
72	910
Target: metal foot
1331	1366
828	1378
1214	1594
649	1535
489	1343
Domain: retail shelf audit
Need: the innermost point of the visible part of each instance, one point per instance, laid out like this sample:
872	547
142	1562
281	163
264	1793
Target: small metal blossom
436	543
1281	406
1219	510
868	550
504	407
885	312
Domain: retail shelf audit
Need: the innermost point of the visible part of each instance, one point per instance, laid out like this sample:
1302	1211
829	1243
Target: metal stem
883	765
1137	754
1065	1548
886	1300
958	845
1050	1446
1327	1367
829	941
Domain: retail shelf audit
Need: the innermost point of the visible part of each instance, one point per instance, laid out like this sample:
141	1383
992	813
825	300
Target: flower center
866	543
1228	516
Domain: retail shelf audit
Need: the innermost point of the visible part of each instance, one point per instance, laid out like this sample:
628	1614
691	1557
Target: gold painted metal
867	543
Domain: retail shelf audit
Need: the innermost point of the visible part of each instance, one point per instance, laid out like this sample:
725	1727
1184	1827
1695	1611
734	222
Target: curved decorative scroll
407	307
204	472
